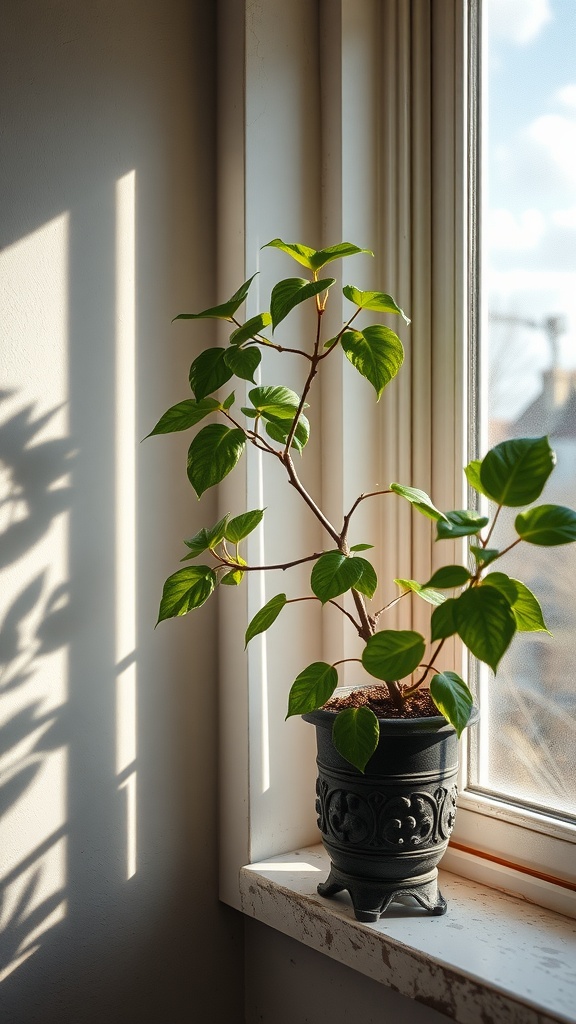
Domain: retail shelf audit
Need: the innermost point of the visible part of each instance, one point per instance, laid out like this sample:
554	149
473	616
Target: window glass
526	741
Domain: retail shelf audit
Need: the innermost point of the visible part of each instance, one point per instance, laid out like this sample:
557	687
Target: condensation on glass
525	747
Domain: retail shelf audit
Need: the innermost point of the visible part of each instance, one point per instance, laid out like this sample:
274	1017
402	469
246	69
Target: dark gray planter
387	829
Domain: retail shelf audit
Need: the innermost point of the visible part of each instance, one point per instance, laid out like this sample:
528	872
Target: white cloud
510	233
518	21
567	95
553	140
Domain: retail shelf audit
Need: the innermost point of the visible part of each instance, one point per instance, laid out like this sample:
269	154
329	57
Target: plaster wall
107	858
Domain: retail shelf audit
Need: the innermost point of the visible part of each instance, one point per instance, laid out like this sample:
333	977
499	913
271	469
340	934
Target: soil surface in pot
378	700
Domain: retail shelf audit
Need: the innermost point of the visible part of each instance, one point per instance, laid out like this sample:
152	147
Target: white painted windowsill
492	957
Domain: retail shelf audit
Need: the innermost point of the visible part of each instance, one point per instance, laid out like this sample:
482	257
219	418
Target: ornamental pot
386	829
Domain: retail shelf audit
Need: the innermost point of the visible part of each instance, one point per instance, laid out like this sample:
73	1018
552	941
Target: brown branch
427	668
362	497
264	568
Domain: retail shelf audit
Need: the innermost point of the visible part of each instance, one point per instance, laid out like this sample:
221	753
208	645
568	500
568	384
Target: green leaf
484	556
334	574
217	532
547	525
228	401
226	310
252	327
186	589
452	698
312	688
485	623
419	499
209	372
301	253
184	415
368	580
423	591
232	578
393	653
460	523
361	547
449	576
265	617
276	401
213	454
242	525
514	472
335	252
443	623
243	361
524	604
376	352
355	735
380	302
197	544
472	471
278	429
291	292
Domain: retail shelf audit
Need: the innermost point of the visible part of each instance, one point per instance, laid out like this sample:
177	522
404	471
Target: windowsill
492	957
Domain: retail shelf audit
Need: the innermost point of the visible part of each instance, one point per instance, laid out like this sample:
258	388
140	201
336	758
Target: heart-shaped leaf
460	523
280	402
185	590
514	472
393	653
312	688
209	372
226	310
449	576
278	430
547	525
213	454
184	415
419	499
243	361
485	623
425	592
380	302
335	252
443	622
484	556
525	605
472	471
301	253
452	698
334	574
291	292
242	525
355	735
265	617
376	352
368	581
250	329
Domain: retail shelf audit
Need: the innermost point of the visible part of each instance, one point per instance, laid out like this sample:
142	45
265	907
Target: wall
108	850
315	988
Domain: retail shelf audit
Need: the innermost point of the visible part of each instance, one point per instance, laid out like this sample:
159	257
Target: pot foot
371	899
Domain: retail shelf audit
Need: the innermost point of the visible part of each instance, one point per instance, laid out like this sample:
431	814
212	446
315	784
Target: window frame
403	67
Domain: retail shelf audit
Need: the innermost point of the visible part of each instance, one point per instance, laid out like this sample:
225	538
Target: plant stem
280	565
293	600
428	668
347	518
286	459
491	530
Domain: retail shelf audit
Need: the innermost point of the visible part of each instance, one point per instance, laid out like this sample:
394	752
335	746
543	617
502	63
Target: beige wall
108	851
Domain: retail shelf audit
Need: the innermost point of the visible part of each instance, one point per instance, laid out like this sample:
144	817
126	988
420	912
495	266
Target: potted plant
387	753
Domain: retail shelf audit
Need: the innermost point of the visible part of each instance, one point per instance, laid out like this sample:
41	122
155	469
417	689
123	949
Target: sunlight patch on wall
126	442
36	457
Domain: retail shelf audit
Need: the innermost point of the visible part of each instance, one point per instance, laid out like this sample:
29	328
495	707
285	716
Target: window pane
527	738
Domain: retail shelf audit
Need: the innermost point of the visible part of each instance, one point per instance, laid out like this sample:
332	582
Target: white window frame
302	88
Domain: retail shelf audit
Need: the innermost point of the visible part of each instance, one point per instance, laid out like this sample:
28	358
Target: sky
529	207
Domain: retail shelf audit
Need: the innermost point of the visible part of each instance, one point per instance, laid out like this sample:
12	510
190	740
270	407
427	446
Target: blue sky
529	132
